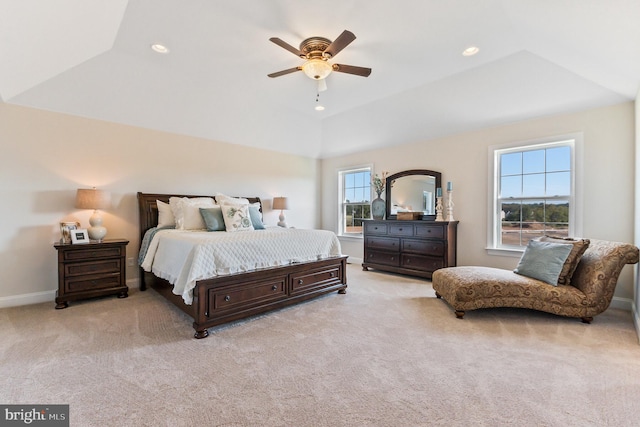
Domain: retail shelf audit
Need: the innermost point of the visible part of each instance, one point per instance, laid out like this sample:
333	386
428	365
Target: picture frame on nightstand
65	230
79	236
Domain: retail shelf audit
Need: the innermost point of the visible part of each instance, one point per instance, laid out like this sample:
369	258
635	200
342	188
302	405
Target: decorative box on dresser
416	248
90	270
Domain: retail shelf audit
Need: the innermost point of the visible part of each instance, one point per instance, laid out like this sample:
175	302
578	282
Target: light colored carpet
388	353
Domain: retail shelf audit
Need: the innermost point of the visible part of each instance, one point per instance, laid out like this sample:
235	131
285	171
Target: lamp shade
280	203
90	198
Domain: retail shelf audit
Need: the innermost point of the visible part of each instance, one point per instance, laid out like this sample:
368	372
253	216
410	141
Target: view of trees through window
357	198
534	193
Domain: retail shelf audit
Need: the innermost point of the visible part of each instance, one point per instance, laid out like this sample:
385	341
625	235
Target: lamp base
282	222
96	231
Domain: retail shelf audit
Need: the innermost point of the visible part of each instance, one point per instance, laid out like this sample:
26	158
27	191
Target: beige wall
47	156
608	179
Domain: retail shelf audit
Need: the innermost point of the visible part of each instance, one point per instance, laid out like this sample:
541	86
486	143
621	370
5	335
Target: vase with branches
378	205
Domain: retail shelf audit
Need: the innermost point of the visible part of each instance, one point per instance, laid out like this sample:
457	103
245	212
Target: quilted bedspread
184	257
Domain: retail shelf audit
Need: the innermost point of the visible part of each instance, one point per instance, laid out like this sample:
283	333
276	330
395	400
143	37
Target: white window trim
340	173
577	179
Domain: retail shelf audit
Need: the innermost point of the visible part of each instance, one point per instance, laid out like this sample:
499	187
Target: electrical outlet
130	262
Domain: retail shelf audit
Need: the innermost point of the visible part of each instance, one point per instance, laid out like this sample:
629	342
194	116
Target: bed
237	295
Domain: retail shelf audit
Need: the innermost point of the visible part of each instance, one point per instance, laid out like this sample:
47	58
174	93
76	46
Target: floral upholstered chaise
586	293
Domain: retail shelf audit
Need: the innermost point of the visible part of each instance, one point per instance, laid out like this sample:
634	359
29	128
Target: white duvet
184	257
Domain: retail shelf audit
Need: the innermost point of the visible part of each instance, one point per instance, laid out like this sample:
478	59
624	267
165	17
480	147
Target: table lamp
282	204
94	199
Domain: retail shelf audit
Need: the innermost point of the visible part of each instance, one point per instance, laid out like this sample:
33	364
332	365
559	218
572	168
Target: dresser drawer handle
274	288
300	281
400	229
227	298
332	274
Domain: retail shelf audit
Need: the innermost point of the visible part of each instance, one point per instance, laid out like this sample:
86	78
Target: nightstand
91	270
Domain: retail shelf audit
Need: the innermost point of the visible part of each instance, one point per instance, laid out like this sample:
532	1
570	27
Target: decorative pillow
165	215
222	199
236	217
570	265
187	211
256	217
213	218
543	261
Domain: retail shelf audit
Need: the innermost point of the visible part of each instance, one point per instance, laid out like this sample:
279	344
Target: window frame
575	142
341	198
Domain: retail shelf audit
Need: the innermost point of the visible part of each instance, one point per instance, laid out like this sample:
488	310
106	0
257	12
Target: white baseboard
636	319
354	260
45	296
621	303
28	299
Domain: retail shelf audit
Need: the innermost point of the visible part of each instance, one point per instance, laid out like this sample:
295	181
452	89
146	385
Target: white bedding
184	257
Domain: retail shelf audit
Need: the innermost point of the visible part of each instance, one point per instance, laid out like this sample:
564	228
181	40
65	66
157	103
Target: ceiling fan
318	51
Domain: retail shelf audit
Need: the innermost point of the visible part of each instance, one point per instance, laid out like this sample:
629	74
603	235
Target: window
355	200
533	192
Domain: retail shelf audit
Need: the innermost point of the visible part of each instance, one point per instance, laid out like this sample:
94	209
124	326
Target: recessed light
470	51
160	48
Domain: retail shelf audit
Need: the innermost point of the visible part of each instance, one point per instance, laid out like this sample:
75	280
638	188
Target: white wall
636	296
608	179
47	156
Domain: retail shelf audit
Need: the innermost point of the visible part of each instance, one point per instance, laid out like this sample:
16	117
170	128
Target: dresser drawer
247	295
423	263
303	282
384	243
401	230
73	255
98	267
89	283
375	228
384	258
423	247
430	231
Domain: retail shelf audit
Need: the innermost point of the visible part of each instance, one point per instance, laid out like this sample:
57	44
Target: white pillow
165	215
187	211
222	199
236	217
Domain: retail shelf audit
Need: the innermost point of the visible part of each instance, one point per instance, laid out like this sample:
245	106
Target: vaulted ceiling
92	58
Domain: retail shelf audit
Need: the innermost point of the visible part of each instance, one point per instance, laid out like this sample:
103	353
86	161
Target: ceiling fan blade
340	43
351	69
283	72
287	46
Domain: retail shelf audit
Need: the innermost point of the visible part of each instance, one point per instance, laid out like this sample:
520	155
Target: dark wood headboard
148	208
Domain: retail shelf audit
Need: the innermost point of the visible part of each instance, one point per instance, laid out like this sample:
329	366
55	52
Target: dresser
91	270
416	248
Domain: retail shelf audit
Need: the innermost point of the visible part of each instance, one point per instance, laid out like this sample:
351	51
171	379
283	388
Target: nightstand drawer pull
332	274
300	281
274	288
227	298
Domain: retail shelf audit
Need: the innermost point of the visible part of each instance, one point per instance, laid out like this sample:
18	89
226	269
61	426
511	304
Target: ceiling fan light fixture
317	69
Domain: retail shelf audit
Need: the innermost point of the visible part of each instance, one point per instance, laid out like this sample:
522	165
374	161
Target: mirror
413	191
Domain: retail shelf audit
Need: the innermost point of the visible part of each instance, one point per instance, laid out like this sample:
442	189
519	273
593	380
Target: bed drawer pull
274	288
227	298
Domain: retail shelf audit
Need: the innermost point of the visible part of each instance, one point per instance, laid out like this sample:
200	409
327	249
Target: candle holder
450	206
439	209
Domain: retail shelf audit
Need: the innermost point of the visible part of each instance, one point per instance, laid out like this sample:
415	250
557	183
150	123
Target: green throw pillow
543	261
213	218
256	218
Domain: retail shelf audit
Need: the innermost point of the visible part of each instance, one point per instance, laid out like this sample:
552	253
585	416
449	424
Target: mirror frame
391	178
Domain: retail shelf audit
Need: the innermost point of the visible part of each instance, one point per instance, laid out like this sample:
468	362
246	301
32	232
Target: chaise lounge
588	293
